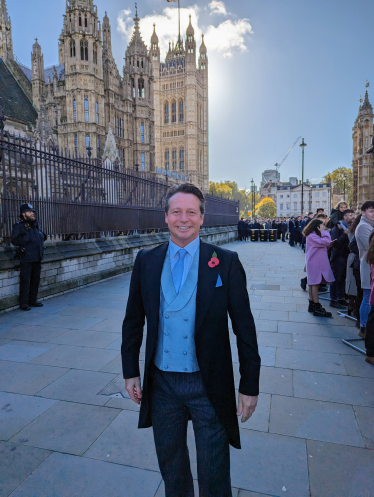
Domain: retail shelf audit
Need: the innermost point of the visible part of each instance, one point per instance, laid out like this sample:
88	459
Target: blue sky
278	69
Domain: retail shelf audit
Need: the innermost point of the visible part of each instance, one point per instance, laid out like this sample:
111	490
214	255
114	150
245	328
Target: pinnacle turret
6	41
154	38
190	30
136	40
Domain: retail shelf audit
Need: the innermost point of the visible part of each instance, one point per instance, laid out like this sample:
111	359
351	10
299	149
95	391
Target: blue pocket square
219	281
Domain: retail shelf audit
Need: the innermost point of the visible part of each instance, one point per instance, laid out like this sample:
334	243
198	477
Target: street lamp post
302	145
252	196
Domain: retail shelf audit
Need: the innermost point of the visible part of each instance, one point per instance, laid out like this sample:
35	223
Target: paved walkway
68	430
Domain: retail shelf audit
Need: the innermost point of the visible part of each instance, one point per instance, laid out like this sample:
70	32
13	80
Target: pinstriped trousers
175	396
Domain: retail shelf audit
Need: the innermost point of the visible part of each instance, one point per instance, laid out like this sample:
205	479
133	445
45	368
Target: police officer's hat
25	208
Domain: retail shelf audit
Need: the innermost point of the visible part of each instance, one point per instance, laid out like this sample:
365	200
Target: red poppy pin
214	261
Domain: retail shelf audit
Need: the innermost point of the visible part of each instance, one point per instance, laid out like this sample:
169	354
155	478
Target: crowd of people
339	252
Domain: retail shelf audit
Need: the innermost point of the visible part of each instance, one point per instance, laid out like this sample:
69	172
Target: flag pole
179	24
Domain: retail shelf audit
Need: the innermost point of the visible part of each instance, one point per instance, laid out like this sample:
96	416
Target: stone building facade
158	111
363	165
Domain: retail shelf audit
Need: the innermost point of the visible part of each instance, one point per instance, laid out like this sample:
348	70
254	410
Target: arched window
181	158
97	112
87	144
167	158
142	132
133	87
143	161
86	109
76	145
141	88
173	111
85	21
75	110
72	48
166	112
80	20
174	159
84	50
181	110
95	53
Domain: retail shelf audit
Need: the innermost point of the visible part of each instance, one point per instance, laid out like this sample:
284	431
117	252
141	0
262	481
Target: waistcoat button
185	319
184	353
166	333
166	350
185	336
166	316
166	367
185	369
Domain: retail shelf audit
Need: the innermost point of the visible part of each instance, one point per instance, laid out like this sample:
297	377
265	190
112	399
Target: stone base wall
71	265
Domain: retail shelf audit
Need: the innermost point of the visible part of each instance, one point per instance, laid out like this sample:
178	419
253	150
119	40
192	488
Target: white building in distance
288	199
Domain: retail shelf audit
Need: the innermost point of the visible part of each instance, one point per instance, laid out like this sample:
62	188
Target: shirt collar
191	248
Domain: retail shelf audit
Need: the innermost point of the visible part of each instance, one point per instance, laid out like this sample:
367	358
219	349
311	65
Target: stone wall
70	265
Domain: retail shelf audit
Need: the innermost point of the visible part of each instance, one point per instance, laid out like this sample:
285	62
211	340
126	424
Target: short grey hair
185	188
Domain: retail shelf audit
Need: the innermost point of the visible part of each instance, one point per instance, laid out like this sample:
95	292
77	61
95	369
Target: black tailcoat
213	305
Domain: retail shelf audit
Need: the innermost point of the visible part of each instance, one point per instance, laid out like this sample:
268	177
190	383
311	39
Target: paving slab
300	328
310	361
79	386
67	427
20	351
17	462
71	322
268	339
357	366
275	380
322	344
267	463
27	378
123	443
314	420
109	325
17	411
85	338
340	331
63	475
274	315
70	356
339	470
264	325
334	388
114	366
32	333
365	420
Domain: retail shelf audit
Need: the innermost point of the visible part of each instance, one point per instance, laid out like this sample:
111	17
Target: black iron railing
84	197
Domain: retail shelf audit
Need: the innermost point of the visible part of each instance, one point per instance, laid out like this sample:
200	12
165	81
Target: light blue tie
178	270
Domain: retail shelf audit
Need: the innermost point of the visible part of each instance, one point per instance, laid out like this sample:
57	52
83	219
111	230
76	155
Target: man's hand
246	406
134	389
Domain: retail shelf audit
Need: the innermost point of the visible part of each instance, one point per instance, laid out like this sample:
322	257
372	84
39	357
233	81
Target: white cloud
226	38
217	7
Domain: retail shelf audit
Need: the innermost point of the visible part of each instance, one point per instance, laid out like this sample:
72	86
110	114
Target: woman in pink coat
318	268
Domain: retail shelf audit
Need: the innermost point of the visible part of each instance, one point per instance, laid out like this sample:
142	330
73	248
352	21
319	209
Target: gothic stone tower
80	51
181	110
363	165
138	79
6	40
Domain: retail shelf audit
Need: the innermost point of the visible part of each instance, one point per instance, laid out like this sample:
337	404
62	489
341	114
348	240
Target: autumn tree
337	178
231	191
266	208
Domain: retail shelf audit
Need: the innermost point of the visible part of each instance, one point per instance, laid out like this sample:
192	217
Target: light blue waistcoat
175	349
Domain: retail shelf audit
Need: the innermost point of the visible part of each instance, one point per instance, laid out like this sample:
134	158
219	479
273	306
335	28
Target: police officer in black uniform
29	239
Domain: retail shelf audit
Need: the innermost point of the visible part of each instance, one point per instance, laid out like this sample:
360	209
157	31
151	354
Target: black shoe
35	304
337	305
321	312
311	306
25	308
303	283
343	302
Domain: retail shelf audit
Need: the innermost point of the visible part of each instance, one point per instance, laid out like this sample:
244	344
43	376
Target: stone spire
190	30
6	40
366	107
43	131
136	40
154	37
107	35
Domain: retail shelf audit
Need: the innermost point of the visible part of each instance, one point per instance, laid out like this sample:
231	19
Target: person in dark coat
188	364
241	228
284	229
338	261
29	239
292	230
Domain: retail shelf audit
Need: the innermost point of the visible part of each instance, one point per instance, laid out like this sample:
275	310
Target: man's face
369	214
184	218
349	218
320	211
29	215
311	216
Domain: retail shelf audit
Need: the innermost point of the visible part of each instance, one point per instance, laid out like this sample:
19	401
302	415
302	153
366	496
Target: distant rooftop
48	72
